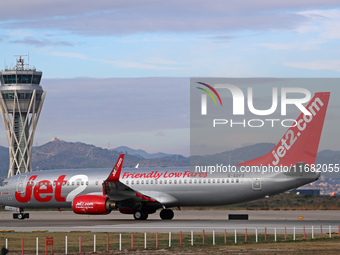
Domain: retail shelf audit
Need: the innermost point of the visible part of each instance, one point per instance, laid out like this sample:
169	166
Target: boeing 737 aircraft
142	191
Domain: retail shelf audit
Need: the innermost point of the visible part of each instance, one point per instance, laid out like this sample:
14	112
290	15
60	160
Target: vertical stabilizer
300	143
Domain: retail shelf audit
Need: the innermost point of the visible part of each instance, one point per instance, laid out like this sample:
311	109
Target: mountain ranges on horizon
59	154
140	153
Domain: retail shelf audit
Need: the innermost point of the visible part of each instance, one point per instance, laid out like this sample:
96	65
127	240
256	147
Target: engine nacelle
92	204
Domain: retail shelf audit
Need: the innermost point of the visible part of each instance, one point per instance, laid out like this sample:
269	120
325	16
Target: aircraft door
9	189
21	184
257	184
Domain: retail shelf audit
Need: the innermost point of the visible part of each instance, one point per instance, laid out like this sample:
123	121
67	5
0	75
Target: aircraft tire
140	215
166	214
20	216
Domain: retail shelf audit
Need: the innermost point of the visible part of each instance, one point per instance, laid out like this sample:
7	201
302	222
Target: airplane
142	191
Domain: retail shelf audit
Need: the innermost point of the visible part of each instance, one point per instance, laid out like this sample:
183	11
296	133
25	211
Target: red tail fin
300	143
114	176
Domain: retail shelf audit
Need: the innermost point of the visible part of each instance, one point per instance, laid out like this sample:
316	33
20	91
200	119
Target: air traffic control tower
21	100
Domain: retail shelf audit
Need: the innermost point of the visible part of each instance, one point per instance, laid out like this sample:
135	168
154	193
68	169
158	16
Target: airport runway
185	221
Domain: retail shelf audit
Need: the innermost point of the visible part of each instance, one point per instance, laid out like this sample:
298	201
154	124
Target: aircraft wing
118	191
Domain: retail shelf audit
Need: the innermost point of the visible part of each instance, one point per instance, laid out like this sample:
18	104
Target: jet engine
92	204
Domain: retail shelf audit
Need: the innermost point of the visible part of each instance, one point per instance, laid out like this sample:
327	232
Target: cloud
120	17
324	22
117	104
150	63
41	43
310	45
149	113
332	65
69	54
220	38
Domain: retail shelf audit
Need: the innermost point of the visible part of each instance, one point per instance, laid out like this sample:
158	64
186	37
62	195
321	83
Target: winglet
115	173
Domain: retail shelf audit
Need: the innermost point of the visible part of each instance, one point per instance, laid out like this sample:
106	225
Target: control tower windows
11	78
20	95
24	78
21	79
36	79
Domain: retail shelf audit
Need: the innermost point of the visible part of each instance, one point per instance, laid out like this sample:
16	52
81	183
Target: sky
117	72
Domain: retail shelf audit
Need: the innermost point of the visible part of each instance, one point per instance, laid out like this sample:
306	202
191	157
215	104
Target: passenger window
208	180
96	183
204	181
127	182
232	180
151	182
199	181
142	182
132	182
185	181
227	180
237	180
190	181
213	181
170	181
160	182
175	182
82	183
164	181
195	181
222	180
218	180
137	182
73	183
147	182
156	181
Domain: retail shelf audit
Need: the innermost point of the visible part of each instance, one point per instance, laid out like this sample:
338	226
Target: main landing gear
166	214
140	215
21	215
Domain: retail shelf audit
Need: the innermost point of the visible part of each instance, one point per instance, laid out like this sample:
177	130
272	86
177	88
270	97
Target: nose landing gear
21	215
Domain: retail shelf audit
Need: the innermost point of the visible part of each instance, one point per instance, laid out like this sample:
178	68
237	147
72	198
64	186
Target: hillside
235	156
140	153
59	154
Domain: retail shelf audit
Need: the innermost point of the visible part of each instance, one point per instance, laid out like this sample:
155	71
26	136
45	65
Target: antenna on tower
20	62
